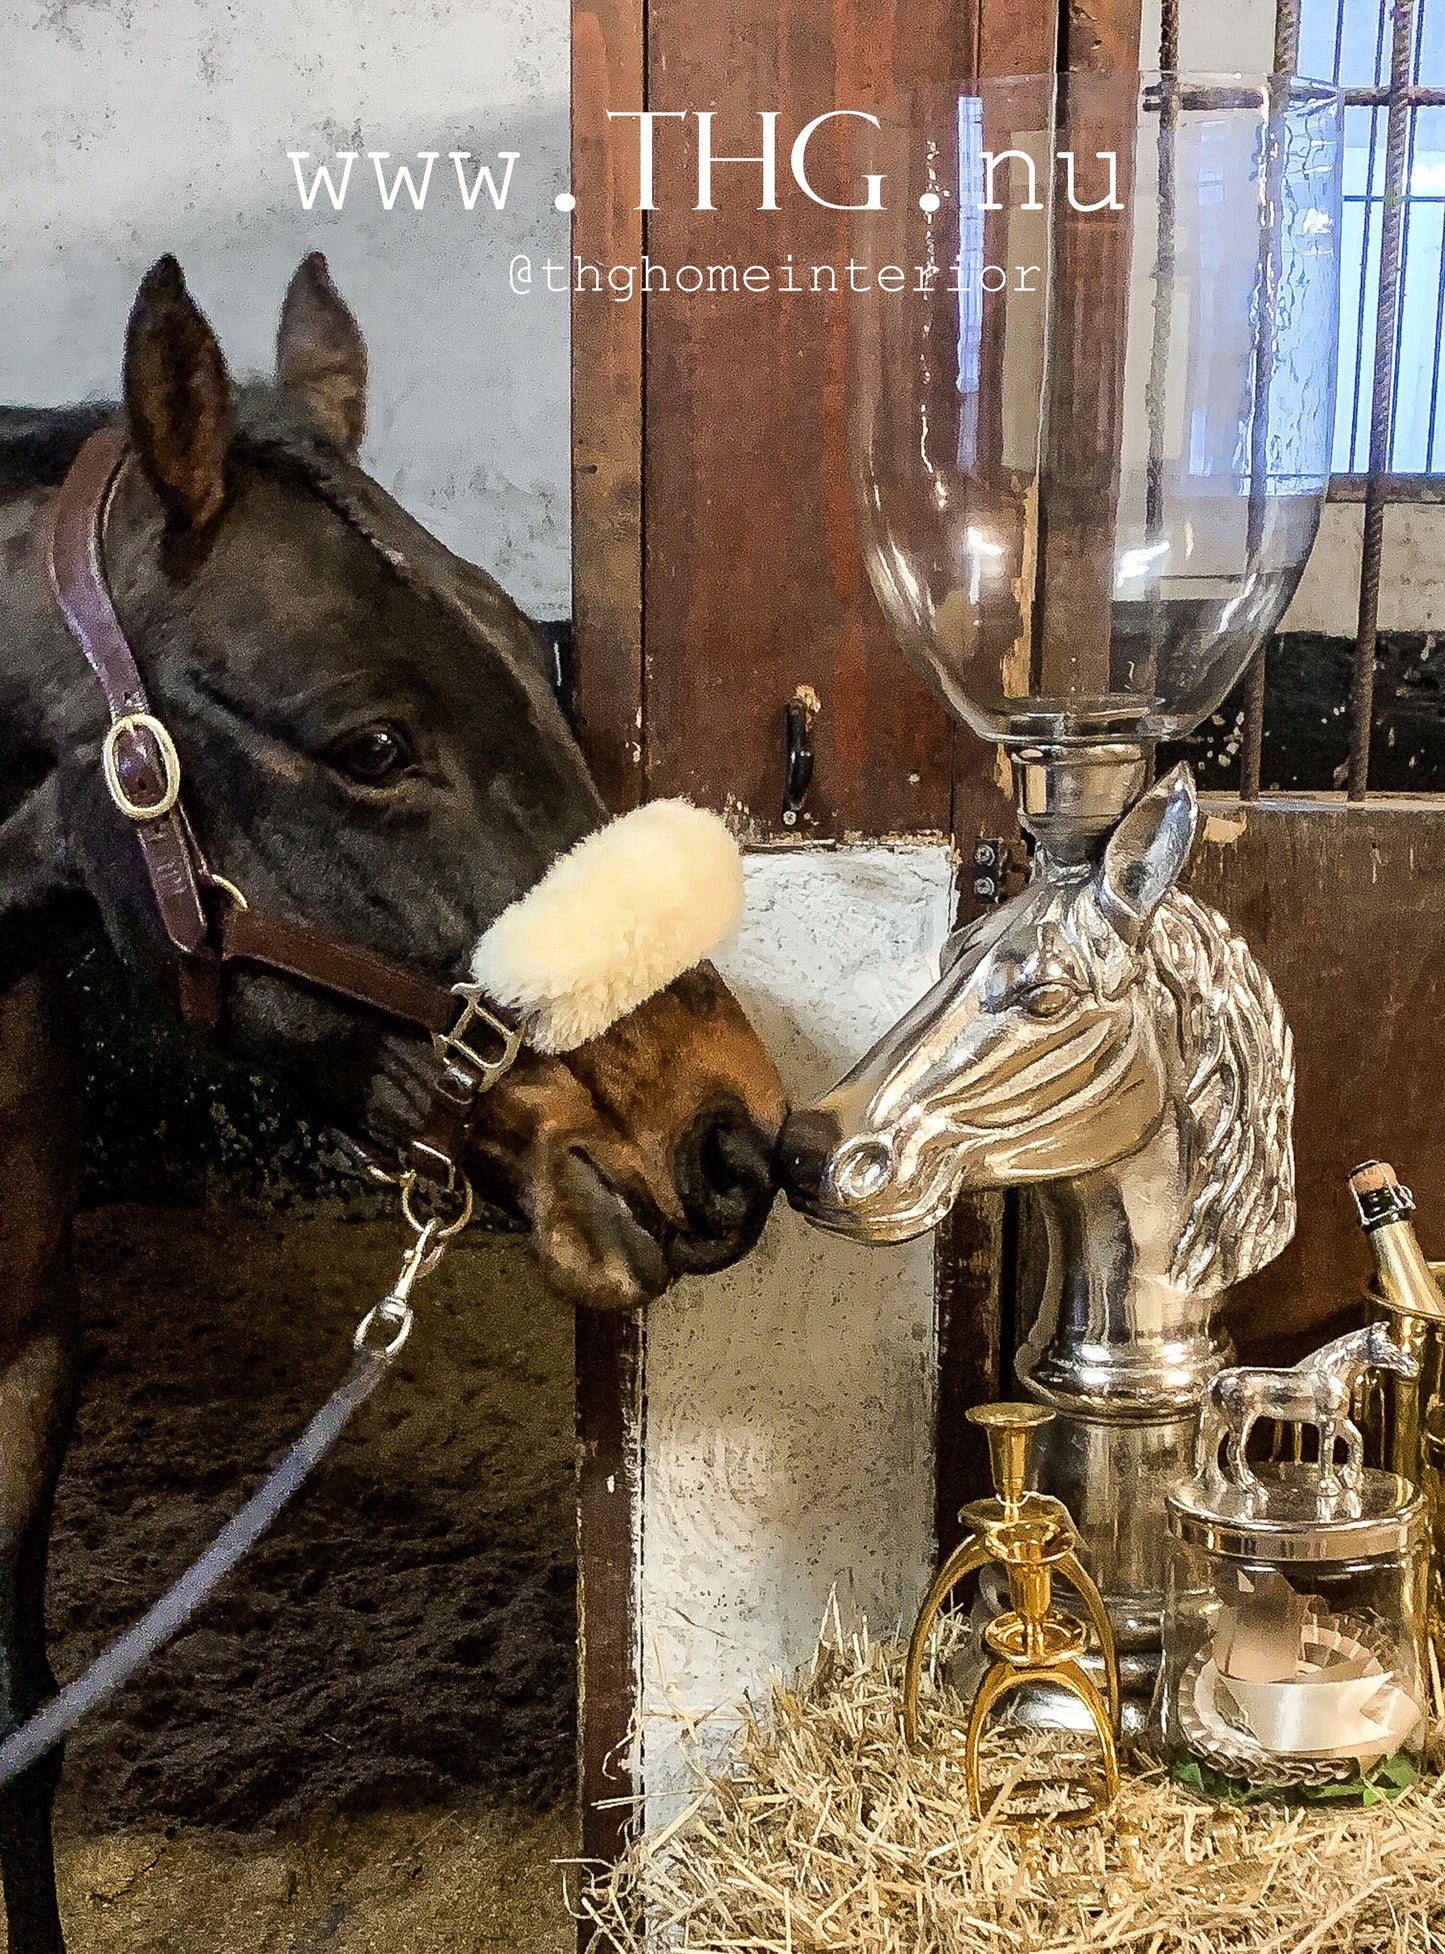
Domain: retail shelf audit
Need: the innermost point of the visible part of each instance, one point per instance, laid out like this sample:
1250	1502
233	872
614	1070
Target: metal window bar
1401	94
1286	54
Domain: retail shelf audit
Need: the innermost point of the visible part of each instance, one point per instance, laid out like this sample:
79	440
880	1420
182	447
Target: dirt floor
365	1741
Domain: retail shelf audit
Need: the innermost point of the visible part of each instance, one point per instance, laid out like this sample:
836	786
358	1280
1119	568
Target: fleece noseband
629	909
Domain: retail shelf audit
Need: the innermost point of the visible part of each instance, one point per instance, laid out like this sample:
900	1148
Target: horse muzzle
723	1168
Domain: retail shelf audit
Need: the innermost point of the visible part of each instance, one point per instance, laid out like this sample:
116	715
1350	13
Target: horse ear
1147	853
178	397
321	355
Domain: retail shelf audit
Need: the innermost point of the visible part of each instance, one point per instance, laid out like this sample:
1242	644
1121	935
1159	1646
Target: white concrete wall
146	126
787	1443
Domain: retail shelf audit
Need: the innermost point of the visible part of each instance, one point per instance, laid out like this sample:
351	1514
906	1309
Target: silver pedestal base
1114	1478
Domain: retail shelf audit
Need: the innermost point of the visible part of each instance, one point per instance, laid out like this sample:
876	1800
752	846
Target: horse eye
372	757
1048	1000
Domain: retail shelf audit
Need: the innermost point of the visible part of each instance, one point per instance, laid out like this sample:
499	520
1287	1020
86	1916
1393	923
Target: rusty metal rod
1414	95
1286	36
1286	56
1169	35
1251	750
1362	685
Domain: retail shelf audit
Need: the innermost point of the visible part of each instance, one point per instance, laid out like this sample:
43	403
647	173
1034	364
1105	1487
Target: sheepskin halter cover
613	921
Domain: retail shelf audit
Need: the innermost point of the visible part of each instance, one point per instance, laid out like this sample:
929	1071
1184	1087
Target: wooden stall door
1344	905
716	571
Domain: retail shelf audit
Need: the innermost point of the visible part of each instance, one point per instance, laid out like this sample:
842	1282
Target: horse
1104	1042
372	748
1318	1391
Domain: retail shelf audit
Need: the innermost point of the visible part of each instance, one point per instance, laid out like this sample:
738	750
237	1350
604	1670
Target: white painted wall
787	1443
146	126
1412	572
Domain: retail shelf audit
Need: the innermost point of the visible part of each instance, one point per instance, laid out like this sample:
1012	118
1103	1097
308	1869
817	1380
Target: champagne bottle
1385	1208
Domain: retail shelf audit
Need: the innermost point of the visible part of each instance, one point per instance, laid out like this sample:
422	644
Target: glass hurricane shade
1093	392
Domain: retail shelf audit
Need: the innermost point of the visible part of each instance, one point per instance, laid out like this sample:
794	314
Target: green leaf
1384	1780
1398	1772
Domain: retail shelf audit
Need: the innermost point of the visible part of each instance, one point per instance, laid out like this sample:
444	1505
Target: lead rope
378	1339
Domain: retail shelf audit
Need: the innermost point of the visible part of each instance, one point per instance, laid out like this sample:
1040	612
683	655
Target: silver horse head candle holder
1085	497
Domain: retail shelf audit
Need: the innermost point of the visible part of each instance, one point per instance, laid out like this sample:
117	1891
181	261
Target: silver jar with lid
1294	1634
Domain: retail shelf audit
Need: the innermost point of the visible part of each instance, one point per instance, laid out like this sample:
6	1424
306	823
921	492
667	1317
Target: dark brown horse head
371	745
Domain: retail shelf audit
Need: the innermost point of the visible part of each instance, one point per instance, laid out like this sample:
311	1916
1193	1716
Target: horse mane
1238	1058
38	444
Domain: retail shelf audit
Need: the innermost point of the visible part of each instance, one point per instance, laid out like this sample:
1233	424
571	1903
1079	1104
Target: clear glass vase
1093	330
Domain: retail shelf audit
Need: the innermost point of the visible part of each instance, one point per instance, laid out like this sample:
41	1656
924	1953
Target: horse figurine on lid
1318	1391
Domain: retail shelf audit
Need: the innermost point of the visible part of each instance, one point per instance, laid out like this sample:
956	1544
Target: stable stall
788	1445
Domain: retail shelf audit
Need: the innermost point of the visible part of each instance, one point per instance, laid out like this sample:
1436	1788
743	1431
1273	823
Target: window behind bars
1320	710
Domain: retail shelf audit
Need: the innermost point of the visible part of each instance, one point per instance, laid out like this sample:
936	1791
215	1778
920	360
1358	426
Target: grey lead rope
118	1663
379	1336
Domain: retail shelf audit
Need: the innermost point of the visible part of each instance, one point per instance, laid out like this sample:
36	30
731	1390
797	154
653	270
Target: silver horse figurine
1318	1391
1106	1041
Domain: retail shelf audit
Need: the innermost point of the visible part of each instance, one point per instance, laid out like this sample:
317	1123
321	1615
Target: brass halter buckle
126	727
455	1044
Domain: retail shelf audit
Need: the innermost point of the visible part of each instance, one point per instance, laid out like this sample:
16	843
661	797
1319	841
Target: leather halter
206	919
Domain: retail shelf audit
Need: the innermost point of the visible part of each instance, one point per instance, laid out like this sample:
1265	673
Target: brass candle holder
1032	1537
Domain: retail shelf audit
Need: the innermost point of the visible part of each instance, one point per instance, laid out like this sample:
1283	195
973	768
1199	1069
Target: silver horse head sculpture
1103	1027
1106	1041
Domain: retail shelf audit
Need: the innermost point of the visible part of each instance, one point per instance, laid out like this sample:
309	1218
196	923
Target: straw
824	1832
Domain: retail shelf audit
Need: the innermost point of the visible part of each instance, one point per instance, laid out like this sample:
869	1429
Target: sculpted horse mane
1238	1096
1104	1023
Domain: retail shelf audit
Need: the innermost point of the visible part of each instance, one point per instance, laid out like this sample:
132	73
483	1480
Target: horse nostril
723	1168
804	1150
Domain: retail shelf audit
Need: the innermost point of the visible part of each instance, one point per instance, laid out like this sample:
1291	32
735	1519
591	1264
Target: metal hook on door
797	730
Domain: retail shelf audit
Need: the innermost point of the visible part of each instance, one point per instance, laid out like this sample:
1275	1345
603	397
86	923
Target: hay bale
824	1832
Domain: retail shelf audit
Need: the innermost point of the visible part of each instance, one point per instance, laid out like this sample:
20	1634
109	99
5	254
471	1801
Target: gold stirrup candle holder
1032	1537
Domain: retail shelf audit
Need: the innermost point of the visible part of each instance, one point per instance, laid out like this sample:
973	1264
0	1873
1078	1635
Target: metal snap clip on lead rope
391	1319
116	1664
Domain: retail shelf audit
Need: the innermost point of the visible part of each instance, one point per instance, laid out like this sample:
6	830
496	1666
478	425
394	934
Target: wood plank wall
717	570
608	62
1340	902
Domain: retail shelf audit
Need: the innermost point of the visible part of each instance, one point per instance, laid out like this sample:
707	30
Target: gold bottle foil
1403	1420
